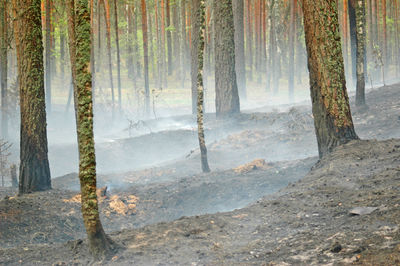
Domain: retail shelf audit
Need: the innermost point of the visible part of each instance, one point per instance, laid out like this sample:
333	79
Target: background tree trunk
353	40
34	173
118	55
226	91
292	35
146	58
238	13
331	109
48	66
193	53
4	67
361	64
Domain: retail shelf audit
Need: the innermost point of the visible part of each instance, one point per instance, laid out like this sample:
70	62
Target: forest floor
261	204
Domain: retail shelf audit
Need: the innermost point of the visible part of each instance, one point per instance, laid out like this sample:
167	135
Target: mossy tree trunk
34	173
3	67
99	244
200	88
48	70
361	54
226	90
330	103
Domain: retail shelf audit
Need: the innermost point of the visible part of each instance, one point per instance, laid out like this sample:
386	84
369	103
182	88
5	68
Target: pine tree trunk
353	39
193	53
292	34
34	173
384	26
100	245
129	45
146	58
200	90
249	41
226	91
176	40
118	55
331	109
169	45
106	6
183	42
48	57
238	13
361	54
4	67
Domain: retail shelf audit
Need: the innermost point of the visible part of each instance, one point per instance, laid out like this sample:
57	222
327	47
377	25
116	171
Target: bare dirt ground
345	210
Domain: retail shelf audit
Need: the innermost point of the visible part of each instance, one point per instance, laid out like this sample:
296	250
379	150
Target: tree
99	243
193	53
48	56
118	55
360	40
145	58
3	66
330	103
238	14
200	89
226	91
353	39
292	33
34	173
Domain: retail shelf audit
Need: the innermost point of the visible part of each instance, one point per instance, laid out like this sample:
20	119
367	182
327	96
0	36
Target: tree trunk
226	91
129	45
183	42
249	41
169	46
193	53
4	67
200	90
238	13
100	245
353	39
361	65
48	56
176	40
292	35
331	109
34	173
146	58
106	6
118	55
384	49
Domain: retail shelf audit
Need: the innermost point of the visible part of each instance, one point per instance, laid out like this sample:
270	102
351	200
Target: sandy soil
345	210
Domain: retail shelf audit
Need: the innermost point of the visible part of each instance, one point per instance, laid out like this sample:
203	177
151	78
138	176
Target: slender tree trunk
238	13
385	45
397	34
106	6
176	39
169	45
353	39
129	45
200	90
100	245
361	65
183	42
136	45
34	173
159	55
48	56
118	55
331	109
146	58
151	45
99	2
194	52
249	41
292	35
226	91
4	67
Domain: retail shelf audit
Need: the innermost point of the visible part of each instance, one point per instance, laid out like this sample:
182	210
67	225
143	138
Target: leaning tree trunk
226	91
34	173
99	244
200	89
3	67
361	54
331	109
238	13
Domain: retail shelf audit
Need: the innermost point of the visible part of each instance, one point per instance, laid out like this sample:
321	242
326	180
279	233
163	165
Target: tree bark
100	245
330	103
34	173
361	54
200	89
238	13
249	41
353	39
169	45
292	35
226	91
